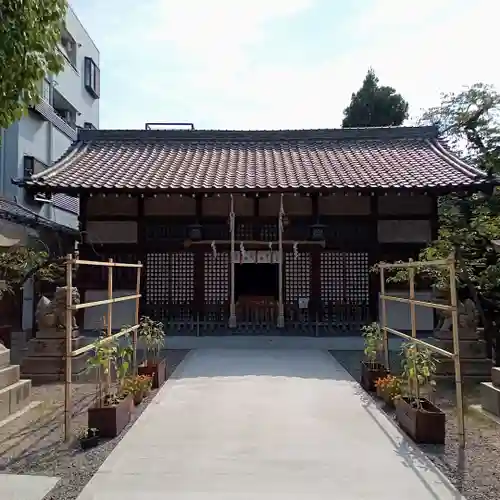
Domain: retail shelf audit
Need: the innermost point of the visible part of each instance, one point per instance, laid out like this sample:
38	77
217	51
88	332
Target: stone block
52	347
490	398
495	376
51	364
53	333
9	375
14	397
4	356
470	367
463	335
468	348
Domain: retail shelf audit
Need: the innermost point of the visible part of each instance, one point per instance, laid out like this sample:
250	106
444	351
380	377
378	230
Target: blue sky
270	64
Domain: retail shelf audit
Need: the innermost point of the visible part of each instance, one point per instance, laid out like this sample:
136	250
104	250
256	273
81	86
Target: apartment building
70	101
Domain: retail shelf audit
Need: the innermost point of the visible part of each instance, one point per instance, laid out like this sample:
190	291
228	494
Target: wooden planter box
111	420
386	398
138	398
370	373
425	425
158	372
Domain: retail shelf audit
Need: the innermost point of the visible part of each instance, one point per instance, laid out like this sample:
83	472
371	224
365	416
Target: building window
45	91
68	46
92	77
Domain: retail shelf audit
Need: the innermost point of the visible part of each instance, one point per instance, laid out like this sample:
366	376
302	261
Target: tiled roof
365	158
12	211
65	202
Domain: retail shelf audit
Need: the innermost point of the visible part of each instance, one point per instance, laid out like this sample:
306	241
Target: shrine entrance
256	280
256	294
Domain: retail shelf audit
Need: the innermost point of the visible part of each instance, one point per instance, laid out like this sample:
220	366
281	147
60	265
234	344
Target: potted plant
138	386
88	438
146	383
371	369
152	334
418	417
112	409
388	389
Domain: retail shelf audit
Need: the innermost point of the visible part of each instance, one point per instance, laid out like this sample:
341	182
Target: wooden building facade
255	232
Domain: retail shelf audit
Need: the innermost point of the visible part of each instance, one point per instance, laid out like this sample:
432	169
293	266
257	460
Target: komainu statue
467	319
52	313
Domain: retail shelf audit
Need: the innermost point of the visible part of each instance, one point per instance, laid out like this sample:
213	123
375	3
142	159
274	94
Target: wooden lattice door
297	276
216	289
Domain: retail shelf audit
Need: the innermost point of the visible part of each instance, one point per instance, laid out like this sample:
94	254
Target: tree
469	123
374	105
29	33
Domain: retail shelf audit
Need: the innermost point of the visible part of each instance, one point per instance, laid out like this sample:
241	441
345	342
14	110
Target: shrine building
250	232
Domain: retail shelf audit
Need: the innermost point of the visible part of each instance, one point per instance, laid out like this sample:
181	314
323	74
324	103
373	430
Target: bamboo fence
412	301
71	308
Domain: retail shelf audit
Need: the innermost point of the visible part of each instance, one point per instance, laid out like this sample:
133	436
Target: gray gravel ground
34	444
475	472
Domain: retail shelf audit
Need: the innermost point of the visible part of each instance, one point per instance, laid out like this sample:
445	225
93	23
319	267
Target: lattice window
297	276
357	277
332	276
157	278
269	232
344	277
216	278
244	231
181	278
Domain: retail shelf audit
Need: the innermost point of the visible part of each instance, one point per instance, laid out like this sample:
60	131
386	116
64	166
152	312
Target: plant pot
424	425
89	442
111	420
158	372
138	397
370	372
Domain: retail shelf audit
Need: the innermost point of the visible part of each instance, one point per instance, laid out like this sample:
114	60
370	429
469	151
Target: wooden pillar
232	305
81	282
315	260
373	257
281	311
199	265
141	250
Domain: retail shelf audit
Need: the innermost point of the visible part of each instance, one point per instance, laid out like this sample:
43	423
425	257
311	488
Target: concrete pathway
25	487
271	424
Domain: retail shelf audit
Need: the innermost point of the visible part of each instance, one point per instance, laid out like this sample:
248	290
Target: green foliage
17	264
419	366
374	338
153	336
375	106
29	33
470	123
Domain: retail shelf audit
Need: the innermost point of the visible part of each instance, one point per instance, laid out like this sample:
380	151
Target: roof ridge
386	133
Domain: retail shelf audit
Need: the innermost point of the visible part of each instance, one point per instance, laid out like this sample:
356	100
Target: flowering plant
389	387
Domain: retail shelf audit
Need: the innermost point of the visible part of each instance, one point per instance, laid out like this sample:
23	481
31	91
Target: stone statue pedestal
15	393
45	363
490	393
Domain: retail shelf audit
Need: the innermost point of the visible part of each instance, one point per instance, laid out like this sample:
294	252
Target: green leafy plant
29	35
152	334
374	339
419	365
122	361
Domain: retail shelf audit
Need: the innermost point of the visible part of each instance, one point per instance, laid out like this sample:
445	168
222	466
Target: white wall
123	312
398	314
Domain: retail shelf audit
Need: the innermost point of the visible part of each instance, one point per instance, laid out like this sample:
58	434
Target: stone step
468	367
464	335
490	398
9	375
468	348
4	357
14	397
495	376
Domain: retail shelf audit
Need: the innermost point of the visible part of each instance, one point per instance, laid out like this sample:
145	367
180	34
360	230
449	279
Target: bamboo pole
281	316
232	305
413	321
109	263
384	320
109	326
423	303
105	301
90	347
69	335
417	264
456	349
432	347
137	320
